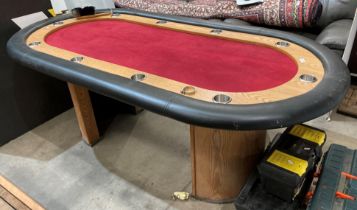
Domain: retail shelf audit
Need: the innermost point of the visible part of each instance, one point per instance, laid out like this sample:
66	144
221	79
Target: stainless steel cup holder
77	59
308	78
58	23
161	22
188	90
221	99
34	44
216	31
283	44
115	14
138	77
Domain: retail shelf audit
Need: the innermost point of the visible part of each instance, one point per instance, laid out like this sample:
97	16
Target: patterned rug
284	13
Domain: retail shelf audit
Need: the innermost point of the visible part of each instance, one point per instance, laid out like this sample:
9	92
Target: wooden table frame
85	115
221	159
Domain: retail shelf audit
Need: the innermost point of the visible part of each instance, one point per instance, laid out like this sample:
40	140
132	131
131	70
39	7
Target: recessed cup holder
115	14
216	31
308	78
34	44
77	59
138	77
188	90
221	99
58	23
161	22
283	44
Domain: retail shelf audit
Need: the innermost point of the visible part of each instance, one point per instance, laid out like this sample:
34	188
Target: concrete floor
140	162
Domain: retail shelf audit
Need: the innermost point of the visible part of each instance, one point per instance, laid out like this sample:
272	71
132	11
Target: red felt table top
206	62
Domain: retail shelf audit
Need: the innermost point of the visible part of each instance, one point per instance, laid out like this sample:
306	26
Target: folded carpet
284	13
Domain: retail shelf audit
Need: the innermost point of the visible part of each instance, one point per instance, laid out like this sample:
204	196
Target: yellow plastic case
292	158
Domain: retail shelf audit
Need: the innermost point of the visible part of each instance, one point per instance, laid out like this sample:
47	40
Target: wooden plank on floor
15	197
349	103
4	205
11	200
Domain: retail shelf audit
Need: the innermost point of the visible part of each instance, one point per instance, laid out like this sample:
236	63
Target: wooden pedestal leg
222	161
85	115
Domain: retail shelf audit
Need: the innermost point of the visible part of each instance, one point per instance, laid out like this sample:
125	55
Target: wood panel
16	198
222	161
307	62
349	104
4	205
9	201
84	112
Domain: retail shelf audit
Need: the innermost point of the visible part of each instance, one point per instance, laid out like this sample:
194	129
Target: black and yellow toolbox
285	173
292	159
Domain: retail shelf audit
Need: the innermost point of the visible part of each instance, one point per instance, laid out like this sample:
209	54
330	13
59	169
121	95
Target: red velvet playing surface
201	61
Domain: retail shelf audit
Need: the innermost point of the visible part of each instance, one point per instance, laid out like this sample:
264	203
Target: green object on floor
337	161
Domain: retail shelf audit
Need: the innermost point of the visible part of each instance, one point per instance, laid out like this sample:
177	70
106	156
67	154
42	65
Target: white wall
351	38
60	5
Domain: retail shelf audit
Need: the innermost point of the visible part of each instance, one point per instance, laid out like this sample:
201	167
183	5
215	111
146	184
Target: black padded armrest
336	10
335	35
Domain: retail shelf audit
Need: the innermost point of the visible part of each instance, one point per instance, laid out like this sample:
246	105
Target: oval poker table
229	83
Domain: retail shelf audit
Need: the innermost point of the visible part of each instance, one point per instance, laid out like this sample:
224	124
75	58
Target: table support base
84	112
222	161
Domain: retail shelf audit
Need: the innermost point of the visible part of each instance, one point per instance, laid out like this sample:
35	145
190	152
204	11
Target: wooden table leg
222	161
84	112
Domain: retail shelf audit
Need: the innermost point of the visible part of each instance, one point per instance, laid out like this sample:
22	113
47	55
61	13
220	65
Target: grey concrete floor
141	160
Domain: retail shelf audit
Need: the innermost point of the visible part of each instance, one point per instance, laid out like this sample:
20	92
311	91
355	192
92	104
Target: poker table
229	83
